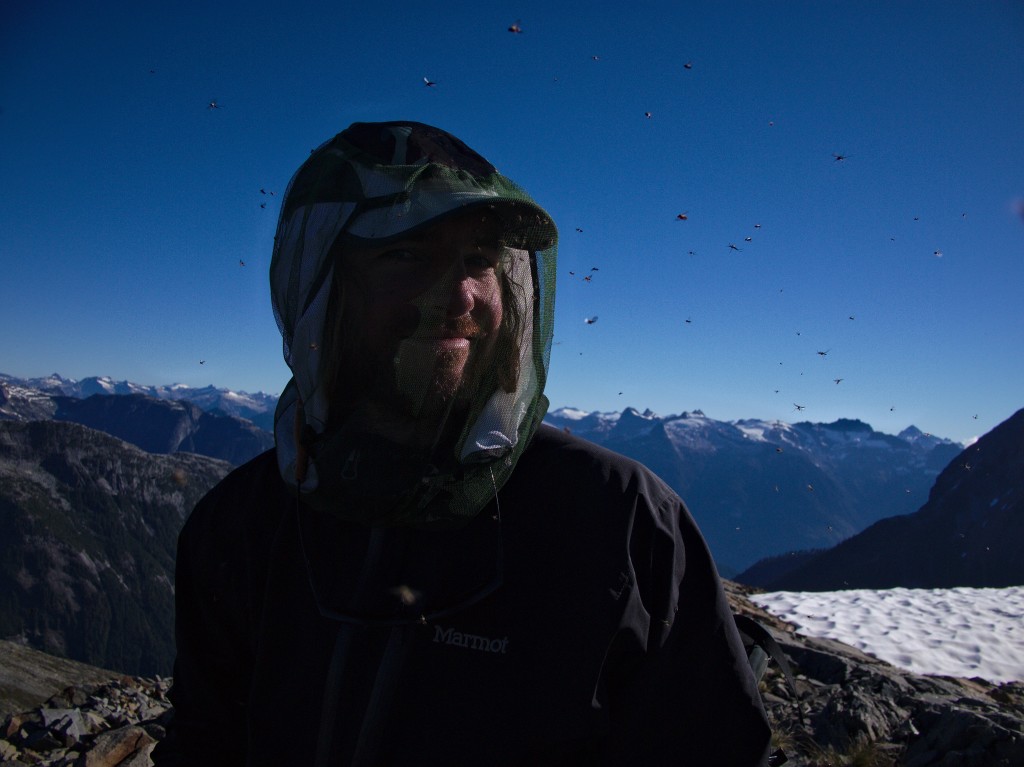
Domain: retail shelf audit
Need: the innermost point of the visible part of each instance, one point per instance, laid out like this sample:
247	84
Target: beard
450	374
422	387
429	375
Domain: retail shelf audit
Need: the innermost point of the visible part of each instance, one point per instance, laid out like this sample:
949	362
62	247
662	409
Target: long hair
508	348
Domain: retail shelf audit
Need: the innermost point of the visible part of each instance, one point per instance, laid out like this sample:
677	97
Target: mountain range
258	408
759	488
155	424
969	533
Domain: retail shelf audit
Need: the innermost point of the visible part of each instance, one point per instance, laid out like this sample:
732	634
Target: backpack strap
762	648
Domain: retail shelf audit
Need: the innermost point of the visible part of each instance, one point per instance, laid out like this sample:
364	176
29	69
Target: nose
461	299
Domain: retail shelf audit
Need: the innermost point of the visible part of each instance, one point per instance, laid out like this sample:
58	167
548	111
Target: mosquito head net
413	285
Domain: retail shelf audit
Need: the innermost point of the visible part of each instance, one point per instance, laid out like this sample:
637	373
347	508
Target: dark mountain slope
88	531
167	426
969	533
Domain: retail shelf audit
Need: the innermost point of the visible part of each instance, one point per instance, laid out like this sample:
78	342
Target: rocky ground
113	724
853	709
849	710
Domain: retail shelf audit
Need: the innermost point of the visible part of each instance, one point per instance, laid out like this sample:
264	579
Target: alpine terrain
969	533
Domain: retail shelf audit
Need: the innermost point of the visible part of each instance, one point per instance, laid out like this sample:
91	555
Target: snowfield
963	632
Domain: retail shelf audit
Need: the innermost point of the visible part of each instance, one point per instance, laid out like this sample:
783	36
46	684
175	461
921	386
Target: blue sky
126	204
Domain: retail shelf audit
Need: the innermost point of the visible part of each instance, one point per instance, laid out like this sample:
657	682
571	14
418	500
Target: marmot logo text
471	641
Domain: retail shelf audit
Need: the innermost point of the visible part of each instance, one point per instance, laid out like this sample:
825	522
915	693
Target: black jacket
578	619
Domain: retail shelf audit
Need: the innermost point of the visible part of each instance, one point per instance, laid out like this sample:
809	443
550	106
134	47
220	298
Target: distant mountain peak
631	413
849	424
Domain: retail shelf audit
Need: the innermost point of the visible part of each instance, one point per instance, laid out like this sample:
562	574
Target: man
420	573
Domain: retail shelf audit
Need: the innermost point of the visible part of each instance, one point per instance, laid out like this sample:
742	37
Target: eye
483	259
402	256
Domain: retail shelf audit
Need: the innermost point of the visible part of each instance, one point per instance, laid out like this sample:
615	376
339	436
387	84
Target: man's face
426	309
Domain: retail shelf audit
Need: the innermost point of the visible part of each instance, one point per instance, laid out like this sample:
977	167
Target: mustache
421	325
464	327
458	327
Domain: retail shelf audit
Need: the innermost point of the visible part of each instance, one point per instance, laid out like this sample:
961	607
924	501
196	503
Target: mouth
457	336
447	342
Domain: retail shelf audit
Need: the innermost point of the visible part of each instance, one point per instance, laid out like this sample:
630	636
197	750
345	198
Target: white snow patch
755	433
570	413
962	632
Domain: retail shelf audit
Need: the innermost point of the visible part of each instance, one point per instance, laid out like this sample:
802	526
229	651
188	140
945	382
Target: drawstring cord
301	451
500	555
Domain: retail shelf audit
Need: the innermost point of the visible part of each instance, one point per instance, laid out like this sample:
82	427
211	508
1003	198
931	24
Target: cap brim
526	225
